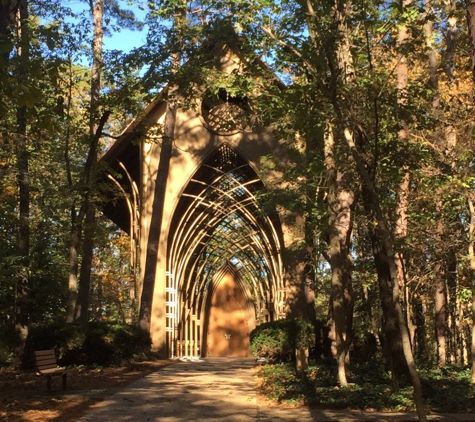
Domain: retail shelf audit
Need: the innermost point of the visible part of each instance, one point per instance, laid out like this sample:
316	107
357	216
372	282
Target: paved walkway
217	389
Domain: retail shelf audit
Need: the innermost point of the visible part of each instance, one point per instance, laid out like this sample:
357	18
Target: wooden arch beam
218	221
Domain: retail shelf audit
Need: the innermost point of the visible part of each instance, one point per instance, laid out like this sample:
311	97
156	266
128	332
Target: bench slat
45	353
46	362
51	371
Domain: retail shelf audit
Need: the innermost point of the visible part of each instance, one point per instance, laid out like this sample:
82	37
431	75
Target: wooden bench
47	365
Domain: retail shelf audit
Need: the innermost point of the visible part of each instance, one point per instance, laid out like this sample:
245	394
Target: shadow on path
217	389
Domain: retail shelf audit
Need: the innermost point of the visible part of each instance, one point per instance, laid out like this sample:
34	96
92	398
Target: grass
448	390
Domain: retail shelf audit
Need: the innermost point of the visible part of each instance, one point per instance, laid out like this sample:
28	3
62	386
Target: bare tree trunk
77	220
340	194
300	301
157	216
75	309
391	339
400	229
446	283
23	236
470	9
432	55
471	251
419	338
73	235
97	11
340	200
98	314
391	260
450	37
440	315
82	305
441	273
73	267
368	304
441	268
154	236
410	308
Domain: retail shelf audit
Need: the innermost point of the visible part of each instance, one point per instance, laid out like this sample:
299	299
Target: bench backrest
45	359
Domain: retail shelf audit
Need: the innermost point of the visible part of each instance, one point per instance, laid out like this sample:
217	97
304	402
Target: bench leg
64	381
48	383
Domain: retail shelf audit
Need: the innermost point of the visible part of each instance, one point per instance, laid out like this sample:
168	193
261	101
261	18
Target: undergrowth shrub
445	390
92	343
7	341
277	340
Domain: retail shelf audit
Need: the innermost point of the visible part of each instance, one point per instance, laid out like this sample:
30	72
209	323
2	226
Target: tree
470	9
160	184
80	309
23	236
83	220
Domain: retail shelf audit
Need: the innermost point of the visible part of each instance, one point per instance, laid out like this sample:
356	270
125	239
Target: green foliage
278	340
93	343
370	387
7	336
271	341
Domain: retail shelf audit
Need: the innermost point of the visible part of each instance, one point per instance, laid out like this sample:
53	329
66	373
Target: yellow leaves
9	191
461	88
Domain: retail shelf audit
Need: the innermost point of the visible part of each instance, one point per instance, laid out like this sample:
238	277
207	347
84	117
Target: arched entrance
225	273
228	325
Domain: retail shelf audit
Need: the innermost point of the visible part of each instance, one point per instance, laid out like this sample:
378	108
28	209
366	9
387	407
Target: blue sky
124	40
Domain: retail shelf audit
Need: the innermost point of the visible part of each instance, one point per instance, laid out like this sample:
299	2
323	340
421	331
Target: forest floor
23	396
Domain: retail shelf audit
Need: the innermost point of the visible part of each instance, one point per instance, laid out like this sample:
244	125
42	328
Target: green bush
92	343
7	341
277	340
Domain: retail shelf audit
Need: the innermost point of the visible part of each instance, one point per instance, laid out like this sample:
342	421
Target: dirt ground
23	396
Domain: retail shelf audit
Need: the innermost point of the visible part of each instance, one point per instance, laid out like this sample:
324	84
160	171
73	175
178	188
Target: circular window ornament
223	114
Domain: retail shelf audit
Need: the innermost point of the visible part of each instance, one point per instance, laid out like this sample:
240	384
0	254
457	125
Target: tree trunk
471	251
410	307
300	300
388	246
450	39
73	267
440	315
392	338
432	55
340	201
82	306
23	235
98	308
340	194
420	335
400	229
154	236
368	309
90	223
79	310
77	220
470	9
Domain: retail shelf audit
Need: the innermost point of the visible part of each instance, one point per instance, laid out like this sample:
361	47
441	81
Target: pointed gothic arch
219	228
229	315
